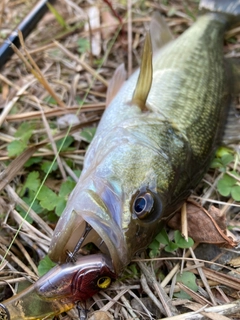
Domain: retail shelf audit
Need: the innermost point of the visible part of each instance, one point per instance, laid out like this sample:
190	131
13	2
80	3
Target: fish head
122	195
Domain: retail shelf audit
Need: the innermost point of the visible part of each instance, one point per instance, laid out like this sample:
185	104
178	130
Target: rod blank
26	26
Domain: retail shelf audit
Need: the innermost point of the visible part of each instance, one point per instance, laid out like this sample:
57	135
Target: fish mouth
99	210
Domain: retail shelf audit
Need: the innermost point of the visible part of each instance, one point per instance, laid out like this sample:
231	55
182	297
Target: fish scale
201	90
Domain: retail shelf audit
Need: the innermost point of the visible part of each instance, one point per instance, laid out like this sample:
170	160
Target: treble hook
71	255
82	313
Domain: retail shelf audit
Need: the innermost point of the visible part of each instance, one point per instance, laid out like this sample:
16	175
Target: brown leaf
101	315
235	262
111	22
205	226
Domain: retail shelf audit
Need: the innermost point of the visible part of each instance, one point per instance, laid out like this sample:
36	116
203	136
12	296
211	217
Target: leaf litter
67	69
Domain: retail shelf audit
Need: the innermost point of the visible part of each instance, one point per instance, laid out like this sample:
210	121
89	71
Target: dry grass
77	83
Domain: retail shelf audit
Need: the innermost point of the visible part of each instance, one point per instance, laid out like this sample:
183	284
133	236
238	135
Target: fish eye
143	205
104	282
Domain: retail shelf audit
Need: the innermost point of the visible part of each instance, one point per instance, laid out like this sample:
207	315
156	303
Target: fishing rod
26	26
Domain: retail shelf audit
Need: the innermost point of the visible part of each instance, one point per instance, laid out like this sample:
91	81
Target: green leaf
87	134
189	280
24	130
222	162
225	185
45	265
226	159
60	206
16	147
32	182
48	199
23	134
235	192
32	161
64	143
222	151
171	247
66	188
162	237
181	241
154	245
46	165
83	45
23	214
216	163
50	100
153	253
77	172
133	269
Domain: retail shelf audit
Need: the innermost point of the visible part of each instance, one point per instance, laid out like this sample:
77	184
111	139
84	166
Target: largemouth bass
153	145
154	142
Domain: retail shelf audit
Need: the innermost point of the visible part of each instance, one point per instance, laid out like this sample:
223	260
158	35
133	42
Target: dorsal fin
115	83
145	76
159	31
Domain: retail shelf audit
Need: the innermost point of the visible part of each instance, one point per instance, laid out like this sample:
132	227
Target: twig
128	307
151	295
50	137
129	10
16	199
9	106
18	261
184	221
204	280
165	300
36	71
27	256
140	302
82	63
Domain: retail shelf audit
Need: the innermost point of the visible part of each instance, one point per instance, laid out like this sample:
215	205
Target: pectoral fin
159	31
115	83
145	76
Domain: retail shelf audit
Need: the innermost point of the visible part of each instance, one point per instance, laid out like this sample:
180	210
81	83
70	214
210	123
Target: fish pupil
140	205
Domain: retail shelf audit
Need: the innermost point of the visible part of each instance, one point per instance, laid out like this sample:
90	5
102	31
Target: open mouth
89	241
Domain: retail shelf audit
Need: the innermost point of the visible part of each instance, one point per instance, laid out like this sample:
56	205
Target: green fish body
152	146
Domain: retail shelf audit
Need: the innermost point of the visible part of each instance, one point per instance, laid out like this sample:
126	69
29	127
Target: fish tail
228	9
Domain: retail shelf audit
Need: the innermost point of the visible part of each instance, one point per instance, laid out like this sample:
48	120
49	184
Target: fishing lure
60	289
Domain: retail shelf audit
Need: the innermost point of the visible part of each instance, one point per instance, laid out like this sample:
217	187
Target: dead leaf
112	23
5	91
101	315
205	226
210	315
235	262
